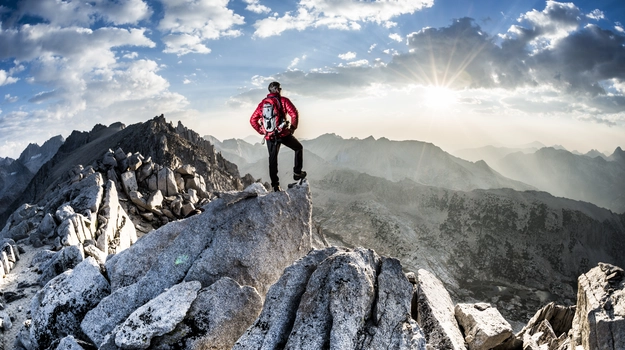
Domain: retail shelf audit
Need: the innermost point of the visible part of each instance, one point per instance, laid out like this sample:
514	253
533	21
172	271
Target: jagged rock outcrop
599	321
68	218
21	222
330	299
484	327
5	321
66	259
70	343
59	307
548	327
88	210
228	240
9	255
116	231
157	317
219	315
434	312
153	143
235	238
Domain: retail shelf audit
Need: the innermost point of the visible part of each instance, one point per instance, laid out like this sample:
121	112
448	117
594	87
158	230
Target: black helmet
274	87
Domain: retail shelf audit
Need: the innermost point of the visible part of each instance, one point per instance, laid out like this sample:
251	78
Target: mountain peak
618	155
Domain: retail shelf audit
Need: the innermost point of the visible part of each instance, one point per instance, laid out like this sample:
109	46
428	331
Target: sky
456	73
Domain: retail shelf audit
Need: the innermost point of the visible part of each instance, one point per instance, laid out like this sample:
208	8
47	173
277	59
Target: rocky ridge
214	280
156	141
201	281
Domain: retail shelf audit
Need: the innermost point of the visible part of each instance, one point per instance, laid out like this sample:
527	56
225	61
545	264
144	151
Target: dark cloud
459	56
579	62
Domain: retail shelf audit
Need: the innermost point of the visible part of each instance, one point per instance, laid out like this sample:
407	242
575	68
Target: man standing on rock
269	119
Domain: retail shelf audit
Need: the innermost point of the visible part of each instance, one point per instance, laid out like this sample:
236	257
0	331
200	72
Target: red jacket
287	108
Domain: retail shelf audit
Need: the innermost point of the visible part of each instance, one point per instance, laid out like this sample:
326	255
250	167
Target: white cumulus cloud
347	56
10	98
396	37
359	63
131	55
5	79
256	7
190	23
555	22
338	14
596	15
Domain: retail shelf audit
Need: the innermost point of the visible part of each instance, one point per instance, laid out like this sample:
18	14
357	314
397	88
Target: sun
439	97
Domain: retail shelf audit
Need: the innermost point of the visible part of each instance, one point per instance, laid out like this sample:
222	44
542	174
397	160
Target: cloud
183	44
347	56
574	66
396	37
391	52
6	79
67	13
131	55
30	42
596	15
338	14
190	23
274	25
544	28
256	7
296	61
359	63
10	99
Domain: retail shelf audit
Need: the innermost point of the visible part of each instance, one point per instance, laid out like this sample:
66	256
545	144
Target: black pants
273	146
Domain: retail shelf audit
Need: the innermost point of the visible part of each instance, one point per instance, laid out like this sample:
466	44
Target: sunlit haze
458	74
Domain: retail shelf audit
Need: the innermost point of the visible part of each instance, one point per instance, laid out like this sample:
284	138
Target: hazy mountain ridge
565	174
529	243
393	160
492	154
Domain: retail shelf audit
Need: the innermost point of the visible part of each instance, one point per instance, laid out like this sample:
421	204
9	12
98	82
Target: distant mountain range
418	161
493	154
593	177
596	180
